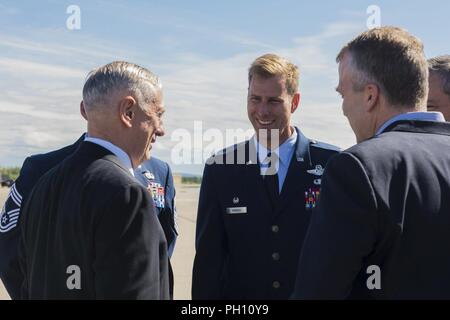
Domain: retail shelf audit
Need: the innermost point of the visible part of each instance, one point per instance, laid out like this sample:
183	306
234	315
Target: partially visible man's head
124	105
272	95
381	72
439	82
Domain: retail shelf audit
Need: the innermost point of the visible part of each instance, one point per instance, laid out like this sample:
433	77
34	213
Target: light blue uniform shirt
123	157
422	116
284	153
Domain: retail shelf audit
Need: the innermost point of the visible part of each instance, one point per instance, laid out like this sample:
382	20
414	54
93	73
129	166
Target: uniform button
276	256
275	228
276	285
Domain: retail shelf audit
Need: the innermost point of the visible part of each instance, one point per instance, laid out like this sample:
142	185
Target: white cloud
40	139
331	31
8	10
214	90
34	112
355	13
247	41
90	48
196	88
25	67
20	44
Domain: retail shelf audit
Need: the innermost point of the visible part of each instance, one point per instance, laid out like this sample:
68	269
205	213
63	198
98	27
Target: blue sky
200	49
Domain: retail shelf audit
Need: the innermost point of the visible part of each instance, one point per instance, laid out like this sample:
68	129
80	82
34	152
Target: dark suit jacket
385	203
35	167
253	254
90	212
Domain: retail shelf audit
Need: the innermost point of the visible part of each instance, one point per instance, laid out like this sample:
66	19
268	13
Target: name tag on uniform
236	210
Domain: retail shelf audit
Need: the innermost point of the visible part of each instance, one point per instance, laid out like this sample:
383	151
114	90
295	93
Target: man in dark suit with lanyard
115	246
256	197
381	230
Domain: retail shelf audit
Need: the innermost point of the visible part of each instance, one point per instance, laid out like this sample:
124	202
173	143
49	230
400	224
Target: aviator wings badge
318	171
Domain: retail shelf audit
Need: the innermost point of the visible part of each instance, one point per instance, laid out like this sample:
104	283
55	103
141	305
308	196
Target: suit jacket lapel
113	158
74	147
96	151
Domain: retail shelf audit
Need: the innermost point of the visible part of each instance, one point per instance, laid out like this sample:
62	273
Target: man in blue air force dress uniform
256	197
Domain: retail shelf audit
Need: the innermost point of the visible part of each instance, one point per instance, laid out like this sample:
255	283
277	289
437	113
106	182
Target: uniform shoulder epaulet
159	162
223	153
230	149
323	145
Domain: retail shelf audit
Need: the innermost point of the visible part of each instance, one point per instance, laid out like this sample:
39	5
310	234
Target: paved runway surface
186	202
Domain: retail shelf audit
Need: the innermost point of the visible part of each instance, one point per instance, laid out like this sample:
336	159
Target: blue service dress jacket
246	246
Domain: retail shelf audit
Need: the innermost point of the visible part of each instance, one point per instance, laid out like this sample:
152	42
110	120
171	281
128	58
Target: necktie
271	177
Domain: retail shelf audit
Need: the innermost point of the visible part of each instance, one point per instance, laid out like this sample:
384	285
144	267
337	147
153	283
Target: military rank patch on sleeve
11	210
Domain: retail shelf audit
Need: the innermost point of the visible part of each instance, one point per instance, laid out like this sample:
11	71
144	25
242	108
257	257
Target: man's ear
127	110
295	102
83	110
371	96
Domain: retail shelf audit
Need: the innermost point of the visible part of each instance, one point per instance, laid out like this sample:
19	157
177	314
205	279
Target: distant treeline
10	172
191	180
13	173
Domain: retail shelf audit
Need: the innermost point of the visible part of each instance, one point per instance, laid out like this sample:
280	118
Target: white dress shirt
284	154
123	157
422	116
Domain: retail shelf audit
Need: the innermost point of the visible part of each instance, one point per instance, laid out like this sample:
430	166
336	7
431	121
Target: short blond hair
393	59
271	65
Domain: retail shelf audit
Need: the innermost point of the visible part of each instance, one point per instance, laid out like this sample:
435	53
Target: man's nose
264	109
160	131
